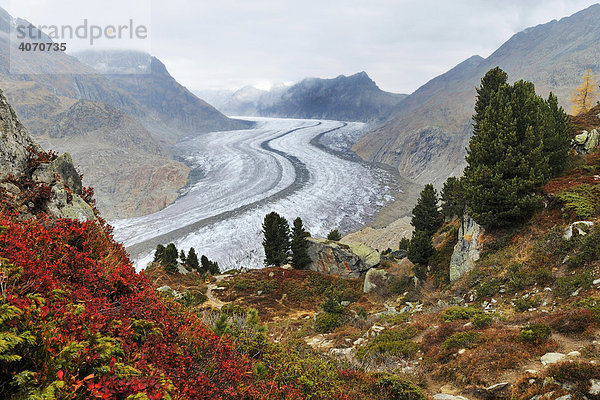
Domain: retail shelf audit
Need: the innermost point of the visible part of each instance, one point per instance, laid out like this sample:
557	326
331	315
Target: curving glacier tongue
247	174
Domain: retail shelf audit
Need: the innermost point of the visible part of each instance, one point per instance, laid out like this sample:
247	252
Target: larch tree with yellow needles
584	96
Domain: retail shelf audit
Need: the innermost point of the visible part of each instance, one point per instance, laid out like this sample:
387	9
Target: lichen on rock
468	248
347	259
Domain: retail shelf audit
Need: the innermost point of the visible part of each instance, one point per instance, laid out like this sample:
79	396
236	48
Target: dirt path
212	300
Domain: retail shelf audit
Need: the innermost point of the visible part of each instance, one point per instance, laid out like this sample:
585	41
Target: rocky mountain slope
427	133
131	171
154	105
156	90
33	181
345	98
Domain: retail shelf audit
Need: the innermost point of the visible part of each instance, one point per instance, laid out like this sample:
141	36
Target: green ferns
11	340
582	200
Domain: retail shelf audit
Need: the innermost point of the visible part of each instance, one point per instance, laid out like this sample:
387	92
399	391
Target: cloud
401	43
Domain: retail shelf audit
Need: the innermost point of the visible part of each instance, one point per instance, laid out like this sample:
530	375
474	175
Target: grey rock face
63	168
59	175
467	250
14	141
349	260
374	279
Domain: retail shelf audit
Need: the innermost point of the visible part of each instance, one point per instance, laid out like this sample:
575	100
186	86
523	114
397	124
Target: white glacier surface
249	173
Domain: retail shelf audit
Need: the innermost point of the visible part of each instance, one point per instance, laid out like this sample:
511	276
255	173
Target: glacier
249	173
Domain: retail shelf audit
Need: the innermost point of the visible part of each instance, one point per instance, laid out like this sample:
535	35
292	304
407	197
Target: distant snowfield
250	173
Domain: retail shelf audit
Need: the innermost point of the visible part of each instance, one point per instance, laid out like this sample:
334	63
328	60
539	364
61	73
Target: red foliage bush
90	327
572	322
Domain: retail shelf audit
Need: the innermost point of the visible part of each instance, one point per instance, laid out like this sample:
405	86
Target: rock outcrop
23	171
14	141
376	278
467	250
586	142
382	281
346	259
580	228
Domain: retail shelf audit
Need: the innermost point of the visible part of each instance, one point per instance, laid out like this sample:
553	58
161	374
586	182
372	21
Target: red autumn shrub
83	324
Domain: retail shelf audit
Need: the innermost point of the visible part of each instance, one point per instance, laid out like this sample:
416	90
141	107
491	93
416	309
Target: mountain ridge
155	105
346	98
553	56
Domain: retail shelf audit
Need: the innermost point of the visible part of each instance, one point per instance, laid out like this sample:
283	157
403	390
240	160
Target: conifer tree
453	198
276	240
334	235
404	243
192	259
419	252
159	253
505	159
182	256
170	254
426	216
213	268
490	83
205	263
557	138
299	245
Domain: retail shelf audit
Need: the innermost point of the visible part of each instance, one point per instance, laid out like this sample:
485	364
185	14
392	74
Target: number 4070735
35	46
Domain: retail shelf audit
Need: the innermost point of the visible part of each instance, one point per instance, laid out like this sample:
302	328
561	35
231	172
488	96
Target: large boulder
382	281
347	259
375	278
468	248
586	141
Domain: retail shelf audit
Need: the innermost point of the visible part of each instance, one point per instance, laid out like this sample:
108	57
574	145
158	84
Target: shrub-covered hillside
77	322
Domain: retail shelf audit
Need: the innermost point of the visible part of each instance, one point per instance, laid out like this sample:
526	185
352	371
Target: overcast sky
401	44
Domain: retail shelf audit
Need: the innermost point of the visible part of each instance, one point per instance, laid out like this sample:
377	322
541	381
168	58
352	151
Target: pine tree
205	263
213	268
170	255
192	259
505	159
426	216
404	243
182	256
299	245
334	235
453	198
584	96
419	252
276	240
159	254
490	83
557	137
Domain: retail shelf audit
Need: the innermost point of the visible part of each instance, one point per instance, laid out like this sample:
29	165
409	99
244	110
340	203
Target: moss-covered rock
347	259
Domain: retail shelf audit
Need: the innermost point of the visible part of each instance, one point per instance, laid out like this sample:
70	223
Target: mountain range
118	127
427	133
346	98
